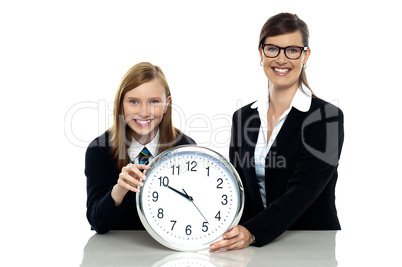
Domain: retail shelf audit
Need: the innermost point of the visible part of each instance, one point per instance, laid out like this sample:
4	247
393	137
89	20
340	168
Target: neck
280	98
145	139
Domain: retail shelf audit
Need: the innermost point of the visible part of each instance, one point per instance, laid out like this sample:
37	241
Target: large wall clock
192	195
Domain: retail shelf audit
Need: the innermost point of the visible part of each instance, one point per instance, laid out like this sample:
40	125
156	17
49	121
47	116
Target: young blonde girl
142	118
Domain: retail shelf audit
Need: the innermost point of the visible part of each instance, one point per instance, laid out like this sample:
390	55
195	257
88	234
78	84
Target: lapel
292	124
251	136
252	127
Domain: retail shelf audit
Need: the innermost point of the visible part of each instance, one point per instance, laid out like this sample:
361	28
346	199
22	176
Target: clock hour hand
181	193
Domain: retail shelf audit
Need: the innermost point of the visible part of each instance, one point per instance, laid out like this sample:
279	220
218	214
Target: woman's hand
129	180
237	237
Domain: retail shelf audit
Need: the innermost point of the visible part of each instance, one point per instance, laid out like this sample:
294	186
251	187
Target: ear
261	54
306	55
168	102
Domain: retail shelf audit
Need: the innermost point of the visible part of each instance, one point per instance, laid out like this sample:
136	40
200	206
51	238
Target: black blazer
102	174
300	170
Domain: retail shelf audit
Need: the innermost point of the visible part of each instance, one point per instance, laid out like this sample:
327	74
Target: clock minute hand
181	193
192	201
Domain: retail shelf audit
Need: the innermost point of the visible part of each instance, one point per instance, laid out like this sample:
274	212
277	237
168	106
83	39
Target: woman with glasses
285	146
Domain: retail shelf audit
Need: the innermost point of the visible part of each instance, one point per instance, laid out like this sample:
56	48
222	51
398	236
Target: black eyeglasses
291	52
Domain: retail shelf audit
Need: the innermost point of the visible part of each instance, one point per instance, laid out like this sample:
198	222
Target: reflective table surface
138	248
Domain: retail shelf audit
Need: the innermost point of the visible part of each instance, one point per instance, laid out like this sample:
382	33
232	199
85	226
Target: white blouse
135	149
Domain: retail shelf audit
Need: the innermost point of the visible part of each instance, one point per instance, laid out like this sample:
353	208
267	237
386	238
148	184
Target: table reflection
235	258
138	248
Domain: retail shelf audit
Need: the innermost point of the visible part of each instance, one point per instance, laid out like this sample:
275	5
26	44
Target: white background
61	63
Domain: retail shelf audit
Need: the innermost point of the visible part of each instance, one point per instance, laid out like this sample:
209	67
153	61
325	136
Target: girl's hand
237	237
129	180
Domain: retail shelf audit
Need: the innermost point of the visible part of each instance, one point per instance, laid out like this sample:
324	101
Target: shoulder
245	111
98	155
100	141
322	106
183	139
99	147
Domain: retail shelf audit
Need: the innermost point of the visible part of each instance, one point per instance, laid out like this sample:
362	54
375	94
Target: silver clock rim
192	149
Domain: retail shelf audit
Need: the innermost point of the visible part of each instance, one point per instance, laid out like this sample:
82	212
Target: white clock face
191	196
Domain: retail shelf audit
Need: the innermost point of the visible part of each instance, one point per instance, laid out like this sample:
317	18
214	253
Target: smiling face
144	107
282	72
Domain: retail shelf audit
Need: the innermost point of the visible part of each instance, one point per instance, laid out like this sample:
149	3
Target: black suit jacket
102	174
300	170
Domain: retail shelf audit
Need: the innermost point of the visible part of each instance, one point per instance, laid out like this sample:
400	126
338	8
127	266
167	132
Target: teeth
281	70
143	122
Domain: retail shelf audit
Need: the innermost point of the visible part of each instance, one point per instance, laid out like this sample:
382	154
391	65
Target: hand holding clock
237	237
129	179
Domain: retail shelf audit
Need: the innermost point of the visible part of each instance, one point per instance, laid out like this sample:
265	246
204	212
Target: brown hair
120	132
286	23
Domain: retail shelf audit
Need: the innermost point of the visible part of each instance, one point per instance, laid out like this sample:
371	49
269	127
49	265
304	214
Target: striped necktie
143	157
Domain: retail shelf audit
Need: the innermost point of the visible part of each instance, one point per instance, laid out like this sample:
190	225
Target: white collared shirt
300	101
135	149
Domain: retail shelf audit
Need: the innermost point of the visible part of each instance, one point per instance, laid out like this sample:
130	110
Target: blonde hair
120	132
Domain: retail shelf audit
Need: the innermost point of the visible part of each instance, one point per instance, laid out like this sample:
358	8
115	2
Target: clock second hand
192	201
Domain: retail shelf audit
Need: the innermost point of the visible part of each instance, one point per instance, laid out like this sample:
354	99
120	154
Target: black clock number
218	216
220	182
174	223
163	181
193	165
225	200
188	230
205	227
207	170
160	213
155	196
178	169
